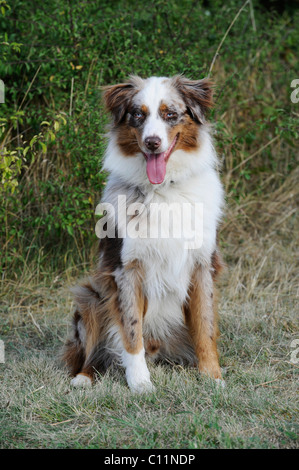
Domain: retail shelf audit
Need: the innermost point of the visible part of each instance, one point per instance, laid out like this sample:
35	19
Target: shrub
55	58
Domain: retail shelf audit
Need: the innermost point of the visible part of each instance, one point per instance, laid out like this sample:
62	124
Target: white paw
81	381
137	373
142	387
220	383
139	379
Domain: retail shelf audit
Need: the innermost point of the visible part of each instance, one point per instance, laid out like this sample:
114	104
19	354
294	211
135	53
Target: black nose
153	142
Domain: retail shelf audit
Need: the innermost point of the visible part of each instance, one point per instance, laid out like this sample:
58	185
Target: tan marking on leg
201	319
131	306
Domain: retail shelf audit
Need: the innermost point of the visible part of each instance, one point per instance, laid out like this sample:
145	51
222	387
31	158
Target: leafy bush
56	56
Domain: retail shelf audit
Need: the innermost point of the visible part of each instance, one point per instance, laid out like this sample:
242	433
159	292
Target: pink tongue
156	167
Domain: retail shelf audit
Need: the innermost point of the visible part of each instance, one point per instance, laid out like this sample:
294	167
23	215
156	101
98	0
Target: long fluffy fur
152	297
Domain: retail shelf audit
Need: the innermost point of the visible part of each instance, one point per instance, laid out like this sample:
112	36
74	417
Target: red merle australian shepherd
152	295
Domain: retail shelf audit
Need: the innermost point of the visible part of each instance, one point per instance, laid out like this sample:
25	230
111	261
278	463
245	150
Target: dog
153	296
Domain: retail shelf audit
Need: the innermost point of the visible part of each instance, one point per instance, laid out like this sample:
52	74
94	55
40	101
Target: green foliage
53	60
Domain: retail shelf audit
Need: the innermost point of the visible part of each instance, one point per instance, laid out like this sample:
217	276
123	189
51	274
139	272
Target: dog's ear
118	97
197	94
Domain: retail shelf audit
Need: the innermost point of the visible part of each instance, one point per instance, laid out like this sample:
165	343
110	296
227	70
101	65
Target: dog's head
157	116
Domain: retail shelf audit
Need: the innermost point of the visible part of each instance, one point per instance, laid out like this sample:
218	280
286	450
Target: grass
257	409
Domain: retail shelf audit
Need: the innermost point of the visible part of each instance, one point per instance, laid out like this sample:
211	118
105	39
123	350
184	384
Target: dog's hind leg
74	352
81	353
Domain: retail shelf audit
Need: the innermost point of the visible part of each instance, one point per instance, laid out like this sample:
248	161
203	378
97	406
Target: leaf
70	230
25	151
43	146
33	140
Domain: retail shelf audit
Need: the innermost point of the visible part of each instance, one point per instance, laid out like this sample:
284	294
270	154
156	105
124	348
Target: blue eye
138	115
171	115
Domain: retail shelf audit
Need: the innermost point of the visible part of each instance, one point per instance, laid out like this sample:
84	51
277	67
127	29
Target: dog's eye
138	115
171	115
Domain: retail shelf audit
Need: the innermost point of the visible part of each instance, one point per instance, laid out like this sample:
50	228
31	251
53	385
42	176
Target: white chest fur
168	260
164	239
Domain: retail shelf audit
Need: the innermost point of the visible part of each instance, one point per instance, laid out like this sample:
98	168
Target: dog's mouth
156	163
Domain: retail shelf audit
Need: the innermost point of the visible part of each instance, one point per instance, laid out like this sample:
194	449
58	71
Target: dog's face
157	116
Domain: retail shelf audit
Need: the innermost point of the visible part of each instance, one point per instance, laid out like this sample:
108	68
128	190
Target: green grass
257	409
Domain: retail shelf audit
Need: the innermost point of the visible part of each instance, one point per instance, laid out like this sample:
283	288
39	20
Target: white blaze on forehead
157	90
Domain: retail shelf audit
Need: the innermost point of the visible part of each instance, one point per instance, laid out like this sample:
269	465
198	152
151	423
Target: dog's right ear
117	98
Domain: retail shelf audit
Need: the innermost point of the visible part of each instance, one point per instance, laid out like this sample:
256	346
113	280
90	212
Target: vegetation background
54	57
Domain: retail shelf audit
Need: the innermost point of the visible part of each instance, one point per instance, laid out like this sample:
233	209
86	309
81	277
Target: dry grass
258	315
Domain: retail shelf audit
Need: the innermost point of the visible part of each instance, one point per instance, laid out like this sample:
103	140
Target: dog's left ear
197	94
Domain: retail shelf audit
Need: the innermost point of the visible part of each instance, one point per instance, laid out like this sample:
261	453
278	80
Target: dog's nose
153	142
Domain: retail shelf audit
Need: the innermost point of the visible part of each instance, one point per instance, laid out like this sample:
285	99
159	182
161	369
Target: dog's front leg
201	318
131	304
